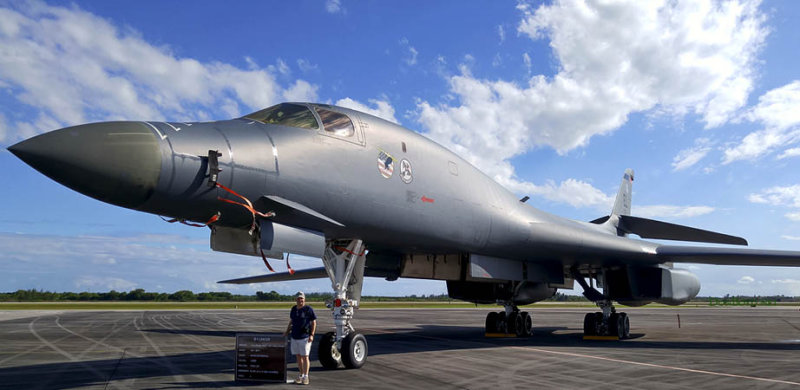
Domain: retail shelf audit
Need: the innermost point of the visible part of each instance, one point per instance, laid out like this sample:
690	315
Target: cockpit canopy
301	116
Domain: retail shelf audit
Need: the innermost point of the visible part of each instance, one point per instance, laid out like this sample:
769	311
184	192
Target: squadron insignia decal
405	171
385	164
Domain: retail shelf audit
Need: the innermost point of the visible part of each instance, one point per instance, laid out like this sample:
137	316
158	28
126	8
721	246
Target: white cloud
666	211
334	6
412	52
574	192
3	125
103	284
614	59
382	109
526	59
793	152
301	91
306	66
691	156
777	111
778	196
75	67
793	238
746	280
785	281
501	32
788	196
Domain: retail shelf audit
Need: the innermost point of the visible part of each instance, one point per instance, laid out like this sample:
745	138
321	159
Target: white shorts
300	347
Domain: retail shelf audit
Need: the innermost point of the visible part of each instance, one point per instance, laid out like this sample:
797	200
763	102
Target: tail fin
622	205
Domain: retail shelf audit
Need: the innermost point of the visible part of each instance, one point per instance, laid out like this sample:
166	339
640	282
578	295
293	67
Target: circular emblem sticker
405	171
385	164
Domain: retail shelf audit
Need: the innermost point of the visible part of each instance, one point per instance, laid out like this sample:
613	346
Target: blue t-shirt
301	321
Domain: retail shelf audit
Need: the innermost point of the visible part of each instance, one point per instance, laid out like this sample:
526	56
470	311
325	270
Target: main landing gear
510	321
344	262
607	323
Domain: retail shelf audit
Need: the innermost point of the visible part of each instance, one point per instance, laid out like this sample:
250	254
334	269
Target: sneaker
299	380
305	380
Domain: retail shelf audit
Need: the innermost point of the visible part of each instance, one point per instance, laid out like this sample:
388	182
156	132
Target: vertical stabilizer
622	205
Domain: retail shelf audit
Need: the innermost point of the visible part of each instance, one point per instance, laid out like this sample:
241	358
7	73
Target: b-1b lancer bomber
371	198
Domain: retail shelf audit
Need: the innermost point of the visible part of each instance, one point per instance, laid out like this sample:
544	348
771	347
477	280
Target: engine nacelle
636	286
678	286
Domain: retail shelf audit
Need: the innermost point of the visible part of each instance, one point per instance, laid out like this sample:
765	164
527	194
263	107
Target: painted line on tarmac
580	355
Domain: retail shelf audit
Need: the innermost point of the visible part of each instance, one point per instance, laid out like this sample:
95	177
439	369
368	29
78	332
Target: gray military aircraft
371	198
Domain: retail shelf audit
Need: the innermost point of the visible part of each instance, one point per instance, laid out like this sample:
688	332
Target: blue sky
552	99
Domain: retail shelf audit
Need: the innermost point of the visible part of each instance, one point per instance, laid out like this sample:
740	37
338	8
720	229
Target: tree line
187	296
272	296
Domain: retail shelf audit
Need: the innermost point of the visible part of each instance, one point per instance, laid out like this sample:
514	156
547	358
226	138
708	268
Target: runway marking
168	363
66	354
658	366
612	360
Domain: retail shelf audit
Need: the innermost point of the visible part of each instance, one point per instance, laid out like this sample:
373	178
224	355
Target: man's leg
306	365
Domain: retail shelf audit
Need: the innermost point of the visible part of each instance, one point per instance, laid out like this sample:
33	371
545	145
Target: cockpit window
336	123
286	114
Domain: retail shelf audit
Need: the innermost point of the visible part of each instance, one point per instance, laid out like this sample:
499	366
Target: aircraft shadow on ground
427	338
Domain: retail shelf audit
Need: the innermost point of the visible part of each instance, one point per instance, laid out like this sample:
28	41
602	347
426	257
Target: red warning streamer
343	249
248	205
213	219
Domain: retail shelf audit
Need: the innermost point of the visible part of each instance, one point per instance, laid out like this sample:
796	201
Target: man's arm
313	330
288	329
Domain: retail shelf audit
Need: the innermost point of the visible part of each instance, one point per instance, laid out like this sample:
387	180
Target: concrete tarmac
714	347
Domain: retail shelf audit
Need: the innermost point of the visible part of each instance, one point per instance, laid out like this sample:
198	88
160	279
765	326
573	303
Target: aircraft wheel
626	324
491	322
616	326
519	324
600	326
354	350
500	324
589	328
329	355
527	323
511	323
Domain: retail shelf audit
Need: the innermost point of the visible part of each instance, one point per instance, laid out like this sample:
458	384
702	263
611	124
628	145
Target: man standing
302	325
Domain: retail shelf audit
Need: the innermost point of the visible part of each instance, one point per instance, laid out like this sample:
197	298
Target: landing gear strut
510	321
606	322
344	262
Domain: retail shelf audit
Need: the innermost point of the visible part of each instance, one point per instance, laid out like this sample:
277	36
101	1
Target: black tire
626	323
600	326
527	323
327	352
511	323
354	350
589	325
519	324
616	326
491	322
500	324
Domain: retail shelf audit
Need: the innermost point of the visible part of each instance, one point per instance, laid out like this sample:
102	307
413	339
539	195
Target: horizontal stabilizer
728	256
649	228
308	273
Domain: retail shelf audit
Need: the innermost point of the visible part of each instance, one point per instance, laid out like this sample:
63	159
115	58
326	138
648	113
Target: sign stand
260	357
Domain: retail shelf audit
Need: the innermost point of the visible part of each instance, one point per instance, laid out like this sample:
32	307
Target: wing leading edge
309	273
727	256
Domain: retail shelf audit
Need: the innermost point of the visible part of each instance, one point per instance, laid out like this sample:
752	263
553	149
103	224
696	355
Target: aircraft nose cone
115	162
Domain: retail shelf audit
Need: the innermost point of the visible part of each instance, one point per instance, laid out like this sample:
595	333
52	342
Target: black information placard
260	357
